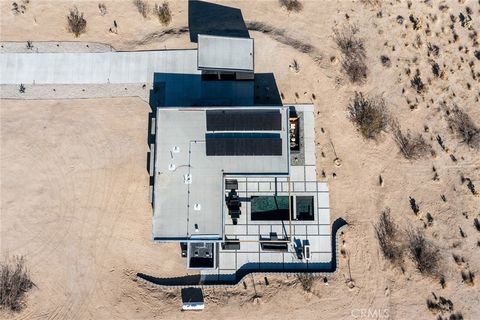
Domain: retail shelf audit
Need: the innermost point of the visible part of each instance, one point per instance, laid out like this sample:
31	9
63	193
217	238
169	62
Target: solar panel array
243	145
244	120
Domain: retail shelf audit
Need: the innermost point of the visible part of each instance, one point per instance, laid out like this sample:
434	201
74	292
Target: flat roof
225	53
188	191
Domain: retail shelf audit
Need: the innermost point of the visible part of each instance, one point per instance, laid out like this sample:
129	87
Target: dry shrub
387	235
411	147
294	66
386	62
436	69
433	49
102	8
353	53
20	8
14	283
456	316
440	305
142	7
291	5
163	13
355	68
468	277
76	23
418	84
423	252
464	126
306	280
348	41
476	223
368	114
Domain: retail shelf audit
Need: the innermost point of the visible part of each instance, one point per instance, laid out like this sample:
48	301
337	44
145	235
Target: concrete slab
323	200
227	262
95	67
310	173
324	216
320	243
248	260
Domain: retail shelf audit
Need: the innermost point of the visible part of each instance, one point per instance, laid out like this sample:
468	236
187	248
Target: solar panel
233	144
244	120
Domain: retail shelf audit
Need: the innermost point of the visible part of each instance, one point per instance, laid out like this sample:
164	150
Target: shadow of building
213	19
187	90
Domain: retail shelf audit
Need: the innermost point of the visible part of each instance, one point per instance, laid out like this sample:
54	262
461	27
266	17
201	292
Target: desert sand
74	184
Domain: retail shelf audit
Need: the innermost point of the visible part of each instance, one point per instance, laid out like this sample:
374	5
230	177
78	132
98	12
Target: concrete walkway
94	68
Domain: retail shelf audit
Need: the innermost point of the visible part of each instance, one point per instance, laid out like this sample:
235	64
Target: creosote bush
76	23
386	62
142	7
465	128
368	114
102	8
418	84
306	280
291	5
411	147
424	253
14	283
348	42
440	305
387	234
355	68
353	53
163	13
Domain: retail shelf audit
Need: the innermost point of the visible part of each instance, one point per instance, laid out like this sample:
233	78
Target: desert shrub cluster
463	125
291	5
411	147
163	13
353	53
424	253
142	7
76	22
394	242
14	283
102	8
368	114
306	280
387	235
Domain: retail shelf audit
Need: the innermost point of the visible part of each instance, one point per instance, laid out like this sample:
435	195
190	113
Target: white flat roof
179	207
225	53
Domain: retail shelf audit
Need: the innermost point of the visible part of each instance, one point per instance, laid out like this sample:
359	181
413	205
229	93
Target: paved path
94	68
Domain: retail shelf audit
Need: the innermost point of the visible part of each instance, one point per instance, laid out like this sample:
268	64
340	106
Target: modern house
237	185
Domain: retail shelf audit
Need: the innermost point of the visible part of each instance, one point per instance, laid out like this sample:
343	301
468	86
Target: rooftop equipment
294	133
233	205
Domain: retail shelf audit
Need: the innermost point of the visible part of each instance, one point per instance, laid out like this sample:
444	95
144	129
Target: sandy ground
75	197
